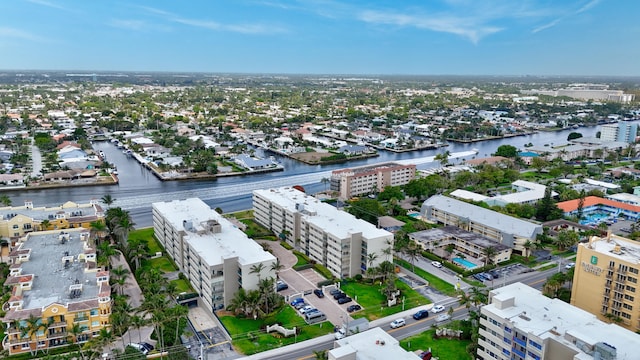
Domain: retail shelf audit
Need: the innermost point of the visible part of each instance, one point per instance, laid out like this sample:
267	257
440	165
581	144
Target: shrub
358	277
302	267
286	245
325	283
323	271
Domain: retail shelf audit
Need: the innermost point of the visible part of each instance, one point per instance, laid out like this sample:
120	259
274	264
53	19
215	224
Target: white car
443	317
437	308
397	323
436	264
340	334
570	265
306	309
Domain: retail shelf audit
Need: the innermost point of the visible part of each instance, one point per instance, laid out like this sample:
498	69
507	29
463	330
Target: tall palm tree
137	322
238	303
98	227
413	252
5	200
489	252
371	258
276	267
74	333
320	354
120	277
527	248
44	225
107	199
122	229
31	328
257	269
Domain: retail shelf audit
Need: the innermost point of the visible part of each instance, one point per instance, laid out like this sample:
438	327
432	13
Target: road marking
536	282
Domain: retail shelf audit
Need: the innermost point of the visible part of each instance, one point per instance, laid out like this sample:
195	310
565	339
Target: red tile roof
572	205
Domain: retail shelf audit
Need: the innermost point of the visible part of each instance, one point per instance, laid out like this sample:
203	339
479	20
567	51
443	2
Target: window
15	227
535	344
631	288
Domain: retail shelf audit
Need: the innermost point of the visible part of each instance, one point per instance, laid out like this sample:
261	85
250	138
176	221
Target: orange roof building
592	203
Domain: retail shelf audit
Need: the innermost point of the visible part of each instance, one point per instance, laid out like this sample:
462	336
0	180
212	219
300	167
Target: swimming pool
414	215
464	263
595	217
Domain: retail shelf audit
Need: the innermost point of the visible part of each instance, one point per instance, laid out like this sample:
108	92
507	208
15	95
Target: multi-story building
520	323
621	131
605	280
374	343
16	221
216	256
336	239
55	285
368	179
502	228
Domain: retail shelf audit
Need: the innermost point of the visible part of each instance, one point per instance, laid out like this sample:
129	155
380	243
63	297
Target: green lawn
442	348
249	338
302	258
255	230
374	302
182	285
246	214
434	281
146	234
163	264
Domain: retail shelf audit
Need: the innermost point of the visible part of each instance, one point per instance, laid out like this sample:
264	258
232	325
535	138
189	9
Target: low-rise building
374	343
216	257
55	285
16	221
368	179
605	280
597	204
521	323
336	239
504	229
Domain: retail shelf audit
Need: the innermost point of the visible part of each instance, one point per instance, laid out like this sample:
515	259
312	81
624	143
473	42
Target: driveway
131	287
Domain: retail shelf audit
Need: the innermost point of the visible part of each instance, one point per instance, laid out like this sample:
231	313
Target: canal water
138	187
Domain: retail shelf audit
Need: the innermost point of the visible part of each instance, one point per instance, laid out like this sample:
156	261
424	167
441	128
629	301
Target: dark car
479	277
339	295
334	291
354	307
147	346
344	300
421	314
281	285
318	293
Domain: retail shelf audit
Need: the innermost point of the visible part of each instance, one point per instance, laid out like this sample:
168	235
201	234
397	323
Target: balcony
520	342
58	324
519	353
57	335
80	318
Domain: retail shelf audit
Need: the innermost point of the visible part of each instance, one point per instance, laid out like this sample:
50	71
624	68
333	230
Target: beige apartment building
520	323
216	256
368	179
336	239
605	282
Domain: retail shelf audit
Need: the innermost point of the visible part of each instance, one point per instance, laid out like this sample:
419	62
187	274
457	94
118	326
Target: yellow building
16	221
606	280
58	294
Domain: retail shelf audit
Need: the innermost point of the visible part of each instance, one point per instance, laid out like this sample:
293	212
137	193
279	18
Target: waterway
139	188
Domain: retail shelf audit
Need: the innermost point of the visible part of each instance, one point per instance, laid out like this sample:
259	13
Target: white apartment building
333	238
374	343
520	323
367	179
209	250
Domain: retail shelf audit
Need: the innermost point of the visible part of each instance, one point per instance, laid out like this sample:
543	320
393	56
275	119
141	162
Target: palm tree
107	199
371	258
122	229
239	302
489	252
413	252
44	225
74	333
178	312
257	269
450	249
98	227
325	181
137	322
31	329
320	354
120	277
276	267
527	248
105	252
5	200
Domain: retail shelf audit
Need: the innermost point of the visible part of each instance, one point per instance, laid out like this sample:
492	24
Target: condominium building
55	285
216	256
520	323
504	229
605	281
336	239
368	179
16	221
374	343
621	131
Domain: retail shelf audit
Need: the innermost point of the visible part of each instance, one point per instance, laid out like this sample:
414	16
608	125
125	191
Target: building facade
368	179
55	286
520	323
501	228
336	239
605	281
216	257
621	131
16	221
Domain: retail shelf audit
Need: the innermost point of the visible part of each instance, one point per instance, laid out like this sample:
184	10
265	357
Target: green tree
391	192
507	151
574	135
5	200
547	209
566	238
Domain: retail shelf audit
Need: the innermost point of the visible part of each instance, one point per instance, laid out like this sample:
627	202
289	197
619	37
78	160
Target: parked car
436	264
397	323
306	309
340	333
570	265
147	346
487	276
339	295
479	277
344	300
281	285
334	291
421	314
354	307
296	301
443	317
318	293
139	347
437	308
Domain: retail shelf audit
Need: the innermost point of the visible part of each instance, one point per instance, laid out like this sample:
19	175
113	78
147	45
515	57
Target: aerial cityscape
314	179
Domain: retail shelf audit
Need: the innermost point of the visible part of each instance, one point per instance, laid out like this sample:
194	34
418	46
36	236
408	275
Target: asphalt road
534	279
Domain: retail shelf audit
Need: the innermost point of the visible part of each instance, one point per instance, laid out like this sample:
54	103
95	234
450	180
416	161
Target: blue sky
460	37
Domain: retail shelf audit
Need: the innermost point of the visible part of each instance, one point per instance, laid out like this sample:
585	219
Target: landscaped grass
246	214
163	264
302	258
434	281
255	230
249	338
442	348
146	234
374	303
182	285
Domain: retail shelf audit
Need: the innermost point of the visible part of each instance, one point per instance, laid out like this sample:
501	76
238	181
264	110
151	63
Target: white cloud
47	4
546	26
464	27
8	32
587	6
136	25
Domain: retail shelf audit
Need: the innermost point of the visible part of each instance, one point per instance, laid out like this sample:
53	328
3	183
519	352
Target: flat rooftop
52	278
371	168
191	216
446	232
373	344
552	318
337	222
68	210
628	251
